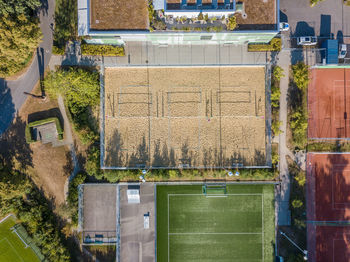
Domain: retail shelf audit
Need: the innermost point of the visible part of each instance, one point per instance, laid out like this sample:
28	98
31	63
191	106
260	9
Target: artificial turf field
193	227
11	247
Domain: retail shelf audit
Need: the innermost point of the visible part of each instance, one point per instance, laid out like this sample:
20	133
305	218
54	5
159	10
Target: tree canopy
79	87
18	38
19	34
18	7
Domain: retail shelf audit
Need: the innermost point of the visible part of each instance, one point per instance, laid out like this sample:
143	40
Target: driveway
329	18
12	93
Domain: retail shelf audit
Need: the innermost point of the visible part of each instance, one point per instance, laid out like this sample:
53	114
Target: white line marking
262	225
214	194
168	231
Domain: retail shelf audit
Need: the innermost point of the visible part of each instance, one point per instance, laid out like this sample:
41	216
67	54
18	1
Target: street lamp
303	251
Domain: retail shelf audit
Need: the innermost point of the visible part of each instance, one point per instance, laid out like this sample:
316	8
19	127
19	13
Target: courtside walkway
146	53
283	190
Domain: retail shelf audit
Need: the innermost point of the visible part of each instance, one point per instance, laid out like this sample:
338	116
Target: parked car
342	50
284	26
307	40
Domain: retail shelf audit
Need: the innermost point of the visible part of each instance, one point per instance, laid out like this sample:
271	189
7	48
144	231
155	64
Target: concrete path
12	93
68	140
283	191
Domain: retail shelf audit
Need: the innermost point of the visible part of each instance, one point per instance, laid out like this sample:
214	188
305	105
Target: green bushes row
28	134
104	50
73	195
298	106
277	74
274	45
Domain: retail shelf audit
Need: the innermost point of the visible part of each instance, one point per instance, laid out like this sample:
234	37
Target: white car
307	40
342	51
284	26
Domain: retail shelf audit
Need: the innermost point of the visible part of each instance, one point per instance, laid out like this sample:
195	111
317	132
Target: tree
18	38
18	7
79	87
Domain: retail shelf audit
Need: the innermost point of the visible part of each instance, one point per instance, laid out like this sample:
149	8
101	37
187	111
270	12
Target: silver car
307	40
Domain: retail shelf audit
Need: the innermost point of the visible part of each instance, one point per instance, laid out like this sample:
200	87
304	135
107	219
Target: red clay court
329	103
328	207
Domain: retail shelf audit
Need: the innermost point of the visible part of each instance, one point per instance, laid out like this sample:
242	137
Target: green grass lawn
191	226
11	247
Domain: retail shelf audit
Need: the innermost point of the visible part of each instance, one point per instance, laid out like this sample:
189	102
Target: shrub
314	2
231	23
73	195
104	50
296	203
274	45
28	135
58	50
275	96
278	73
275	127
200	16
301	75
298	124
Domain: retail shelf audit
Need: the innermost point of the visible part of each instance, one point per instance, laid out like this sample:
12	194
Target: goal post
214	190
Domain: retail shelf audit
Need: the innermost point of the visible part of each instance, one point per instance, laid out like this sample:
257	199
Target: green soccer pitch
11	246
238	226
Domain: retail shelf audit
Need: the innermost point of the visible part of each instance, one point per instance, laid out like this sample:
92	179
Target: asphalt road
12	93
329	18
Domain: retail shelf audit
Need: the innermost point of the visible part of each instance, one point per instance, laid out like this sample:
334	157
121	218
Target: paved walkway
146	53
283	191
68	141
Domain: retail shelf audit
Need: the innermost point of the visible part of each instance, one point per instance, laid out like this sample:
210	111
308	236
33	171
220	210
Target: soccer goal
214	190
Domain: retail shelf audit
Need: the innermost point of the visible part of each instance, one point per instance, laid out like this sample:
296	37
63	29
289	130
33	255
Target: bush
275	96
296	203
314	2
104	50
277	73
301	75
28	135
274	45
73	195
298	124
231	23
58	50
275	127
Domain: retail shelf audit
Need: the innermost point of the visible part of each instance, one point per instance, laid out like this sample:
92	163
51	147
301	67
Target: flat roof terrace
175	117
112	15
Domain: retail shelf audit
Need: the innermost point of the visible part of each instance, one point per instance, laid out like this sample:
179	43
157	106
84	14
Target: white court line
262	225
168	231
333	172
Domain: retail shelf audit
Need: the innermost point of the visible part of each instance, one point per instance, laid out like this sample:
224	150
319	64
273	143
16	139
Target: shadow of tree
13	146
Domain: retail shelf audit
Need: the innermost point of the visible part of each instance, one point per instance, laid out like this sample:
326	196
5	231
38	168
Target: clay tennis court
184	117
329	103
328	207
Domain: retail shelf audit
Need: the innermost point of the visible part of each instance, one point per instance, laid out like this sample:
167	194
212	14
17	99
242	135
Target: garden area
274	45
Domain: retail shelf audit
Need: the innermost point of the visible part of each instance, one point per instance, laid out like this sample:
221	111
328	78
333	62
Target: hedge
274	45
28	134
105	50
58	50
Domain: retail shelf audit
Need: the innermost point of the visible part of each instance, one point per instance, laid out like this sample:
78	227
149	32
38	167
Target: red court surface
329	103
328	206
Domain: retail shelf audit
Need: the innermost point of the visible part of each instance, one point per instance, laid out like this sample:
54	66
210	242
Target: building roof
119	15
261	15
